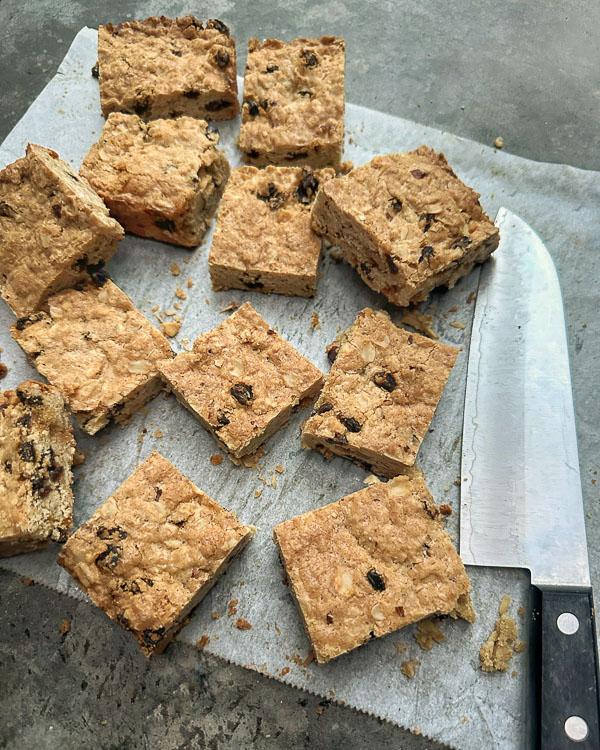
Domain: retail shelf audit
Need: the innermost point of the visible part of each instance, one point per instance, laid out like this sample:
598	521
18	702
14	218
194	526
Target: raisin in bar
371	563
380	396
55	230
36	454
164	67
152	551
98	350
161	179
406	223
242	381
263	238
293	109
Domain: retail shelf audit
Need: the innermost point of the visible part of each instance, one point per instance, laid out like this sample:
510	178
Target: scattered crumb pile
496	653
419	322
427	634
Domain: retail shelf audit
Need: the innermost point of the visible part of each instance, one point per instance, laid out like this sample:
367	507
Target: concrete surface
92	688
525	71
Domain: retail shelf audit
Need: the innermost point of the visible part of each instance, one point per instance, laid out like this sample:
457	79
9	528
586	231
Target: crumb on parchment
408	668
242	624
427	634
171	328
496	653
420	322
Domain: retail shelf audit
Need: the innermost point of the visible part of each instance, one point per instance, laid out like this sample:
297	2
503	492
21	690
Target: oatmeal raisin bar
36	454
242	381
371	563
293	109
152	551
55	230
98	350
406	223
161	179
380	396
263	239
164	67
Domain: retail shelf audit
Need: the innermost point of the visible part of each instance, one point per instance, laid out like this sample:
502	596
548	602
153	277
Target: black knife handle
568	688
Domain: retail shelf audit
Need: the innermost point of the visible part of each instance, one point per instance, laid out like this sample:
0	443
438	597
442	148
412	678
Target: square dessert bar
371	563
164	67
55	230
242	381
293	109
36	453
98	350
380	396
152	551
406	223
263	238
161	179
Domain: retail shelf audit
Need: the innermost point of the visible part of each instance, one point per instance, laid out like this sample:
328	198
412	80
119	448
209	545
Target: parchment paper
450	699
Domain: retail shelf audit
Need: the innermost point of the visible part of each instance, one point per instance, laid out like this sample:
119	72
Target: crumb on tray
420	322
496	653
408	668
242	624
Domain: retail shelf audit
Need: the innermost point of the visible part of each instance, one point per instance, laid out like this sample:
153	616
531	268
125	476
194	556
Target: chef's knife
521	502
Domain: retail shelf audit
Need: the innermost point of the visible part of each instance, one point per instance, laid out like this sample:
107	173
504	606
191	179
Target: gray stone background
528	71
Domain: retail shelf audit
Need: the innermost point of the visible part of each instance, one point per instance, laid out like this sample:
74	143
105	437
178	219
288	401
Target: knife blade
521	501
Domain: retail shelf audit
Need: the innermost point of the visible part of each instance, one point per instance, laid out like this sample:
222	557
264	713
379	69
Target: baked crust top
159	56
150	166
150	548
48	216
240	377
371	563
36	452
263	222
383	388
94	345
293	94
415	209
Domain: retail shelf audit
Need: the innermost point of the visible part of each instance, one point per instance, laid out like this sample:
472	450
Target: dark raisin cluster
376	580
242	393
272	197
307	188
